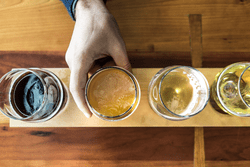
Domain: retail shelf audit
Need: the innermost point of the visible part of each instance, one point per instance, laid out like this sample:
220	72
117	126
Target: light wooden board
144	116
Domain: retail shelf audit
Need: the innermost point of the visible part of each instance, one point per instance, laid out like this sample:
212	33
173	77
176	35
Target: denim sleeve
70	5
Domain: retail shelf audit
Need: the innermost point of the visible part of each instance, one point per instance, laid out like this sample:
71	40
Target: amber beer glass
178	92
231	89
112	93
31	95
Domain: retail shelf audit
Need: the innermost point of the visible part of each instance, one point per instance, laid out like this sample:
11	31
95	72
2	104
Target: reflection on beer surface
177	92
29	94
111	92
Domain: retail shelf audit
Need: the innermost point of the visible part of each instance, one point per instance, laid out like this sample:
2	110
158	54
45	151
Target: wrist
90	6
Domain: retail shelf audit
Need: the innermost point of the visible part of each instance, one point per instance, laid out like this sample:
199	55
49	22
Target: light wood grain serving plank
144	116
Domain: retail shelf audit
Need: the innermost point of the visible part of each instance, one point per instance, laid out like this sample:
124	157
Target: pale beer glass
178	92
231	89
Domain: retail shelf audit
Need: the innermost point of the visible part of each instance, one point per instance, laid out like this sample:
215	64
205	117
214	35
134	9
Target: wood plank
146	25
125	163
169	19
151	59
196	40
227	163
27	59
96	163
97	144
144	116
227	144
199	149
34	25
195	21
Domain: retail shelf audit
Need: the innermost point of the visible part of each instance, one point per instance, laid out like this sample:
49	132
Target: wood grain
227	144
199	149
227	163
49	59
195	21
101	163
156	34
146	25
164	26
151	144
195	39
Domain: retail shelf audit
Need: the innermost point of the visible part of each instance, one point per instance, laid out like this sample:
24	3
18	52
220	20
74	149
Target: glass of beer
31	95
112	93
231	89
178	92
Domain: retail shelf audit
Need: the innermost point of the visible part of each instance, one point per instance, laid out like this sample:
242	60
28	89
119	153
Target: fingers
120	57
100	63
78	79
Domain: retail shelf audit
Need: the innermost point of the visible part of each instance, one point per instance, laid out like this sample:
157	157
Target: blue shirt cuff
70	5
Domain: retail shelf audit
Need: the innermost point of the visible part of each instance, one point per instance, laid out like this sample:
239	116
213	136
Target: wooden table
157	34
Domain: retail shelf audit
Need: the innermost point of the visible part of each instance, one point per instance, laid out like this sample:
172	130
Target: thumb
78	79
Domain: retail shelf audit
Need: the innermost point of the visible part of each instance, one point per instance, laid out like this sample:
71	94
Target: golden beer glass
231	89
178	92
112	93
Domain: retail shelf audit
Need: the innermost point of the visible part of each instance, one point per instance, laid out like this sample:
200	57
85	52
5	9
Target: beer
178	92
231	89
32	95
28	94
112	92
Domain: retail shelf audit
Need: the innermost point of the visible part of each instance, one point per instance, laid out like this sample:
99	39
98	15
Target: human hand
96	35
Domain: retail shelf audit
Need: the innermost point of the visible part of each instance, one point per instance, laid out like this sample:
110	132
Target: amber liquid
177	92
111	92
228	89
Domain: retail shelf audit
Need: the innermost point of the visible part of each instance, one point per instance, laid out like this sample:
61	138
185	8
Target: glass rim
137	94
205	80
239	91
62	93
31	70
219	94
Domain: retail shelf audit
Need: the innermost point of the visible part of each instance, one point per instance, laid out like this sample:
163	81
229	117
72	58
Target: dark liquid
29	94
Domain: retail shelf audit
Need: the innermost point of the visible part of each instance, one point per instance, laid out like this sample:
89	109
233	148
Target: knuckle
67	57
73	89
127	65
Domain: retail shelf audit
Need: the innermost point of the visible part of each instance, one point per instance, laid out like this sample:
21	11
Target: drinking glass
178	92
112	93
31	95
231	89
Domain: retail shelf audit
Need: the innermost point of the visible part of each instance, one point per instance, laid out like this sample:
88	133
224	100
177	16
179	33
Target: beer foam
111	92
